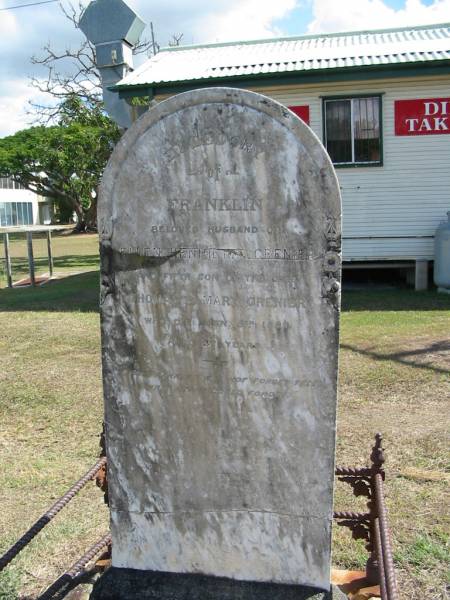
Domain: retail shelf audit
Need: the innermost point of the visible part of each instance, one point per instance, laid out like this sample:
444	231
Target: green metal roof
301	54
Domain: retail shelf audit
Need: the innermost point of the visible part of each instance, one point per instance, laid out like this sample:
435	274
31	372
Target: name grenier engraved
220	218
223	253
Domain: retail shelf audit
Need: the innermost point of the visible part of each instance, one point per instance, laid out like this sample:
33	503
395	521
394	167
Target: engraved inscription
180	254
201	137
216	204
220	223
214	171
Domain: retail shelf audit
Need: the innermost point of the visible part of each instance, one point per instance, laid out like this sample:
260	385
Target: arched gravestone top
219	217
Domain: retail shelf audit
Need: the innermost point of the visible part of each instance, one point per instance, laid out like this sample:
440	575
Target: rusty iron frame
68	579
372	527
50	514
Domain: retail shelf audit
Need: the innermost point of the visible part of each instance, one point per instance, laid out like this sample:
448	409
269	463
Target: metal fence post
49	252
7	259
31	257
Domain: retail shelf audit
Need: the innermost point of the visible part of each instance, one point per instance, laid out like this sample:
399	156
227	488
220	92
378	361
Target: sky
24	31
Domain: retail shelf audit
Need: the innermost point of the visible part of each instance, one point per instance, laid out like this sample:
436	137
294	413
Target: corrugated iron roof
294	54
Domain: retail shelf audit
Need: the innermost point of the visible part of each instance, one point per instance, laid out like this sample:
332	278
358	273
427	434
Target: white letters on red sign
422	117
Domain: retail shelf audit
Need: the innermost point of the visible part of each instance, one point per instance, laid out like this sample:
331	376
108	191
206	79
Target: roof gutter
373	72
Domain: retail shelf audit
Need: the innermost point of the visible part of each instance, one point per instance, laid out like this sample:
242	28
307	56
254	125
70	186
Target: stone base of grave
131	584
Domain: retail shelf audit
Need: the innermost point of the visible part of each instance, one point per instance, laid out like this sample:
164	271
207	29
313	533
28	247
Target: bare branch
72	71
176	39
68	72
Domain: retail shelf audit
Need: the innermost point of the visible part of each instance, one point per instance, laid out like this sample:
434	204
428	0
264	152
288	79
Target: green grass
423	556
75	293
393	378
72	253
9	584
425	550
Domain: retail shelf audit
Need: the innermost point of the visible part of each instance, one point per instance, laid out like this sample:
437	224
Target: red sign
428	116
302	112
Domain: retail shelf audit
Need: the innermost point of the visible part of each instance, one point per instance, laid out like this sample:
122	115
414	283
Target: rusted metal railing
76	570
372	526
379	551
385	559
50	514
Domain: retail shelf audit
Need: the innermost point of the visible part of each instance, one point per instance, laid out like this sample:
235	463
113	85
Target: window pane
2	214
20	206
30	213
338	130
8	213
366	127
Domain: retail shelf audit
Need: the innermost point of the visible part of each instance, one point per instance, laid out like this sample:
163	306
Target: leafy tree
63	161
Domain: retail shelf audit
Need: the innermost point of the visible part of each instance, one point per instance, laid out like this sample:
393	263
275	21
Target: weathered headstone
220	240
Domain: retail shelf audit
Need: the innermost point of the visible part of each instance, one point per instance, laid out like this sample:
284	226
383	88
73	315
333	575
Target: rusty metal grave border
371	526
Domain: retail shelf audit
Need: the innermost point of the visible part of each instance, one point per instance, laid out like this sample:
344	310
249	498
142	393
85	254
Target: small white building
19	206
378	100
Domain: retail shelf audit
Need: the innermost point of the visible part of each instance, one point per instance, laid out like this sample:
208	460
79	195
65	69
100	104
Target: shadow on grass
393	300
407	357
63	261
74	261
77	293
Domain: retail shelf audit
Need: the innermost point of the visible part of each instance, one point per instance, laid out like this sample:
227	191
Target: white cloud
244	19
14	103
8	23
24	32
333	15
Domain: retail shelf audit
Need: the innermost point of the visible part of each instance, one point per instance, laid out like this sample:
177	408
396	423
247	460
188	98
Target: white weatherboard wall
389	212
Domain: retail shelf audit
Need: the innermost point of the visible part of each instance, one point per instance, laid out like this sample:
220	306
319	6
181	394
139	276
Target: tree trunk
91	215
80	226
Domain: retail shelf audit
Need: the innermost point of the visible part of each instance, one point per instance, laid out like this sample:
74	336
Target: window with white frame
16	213
353	130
